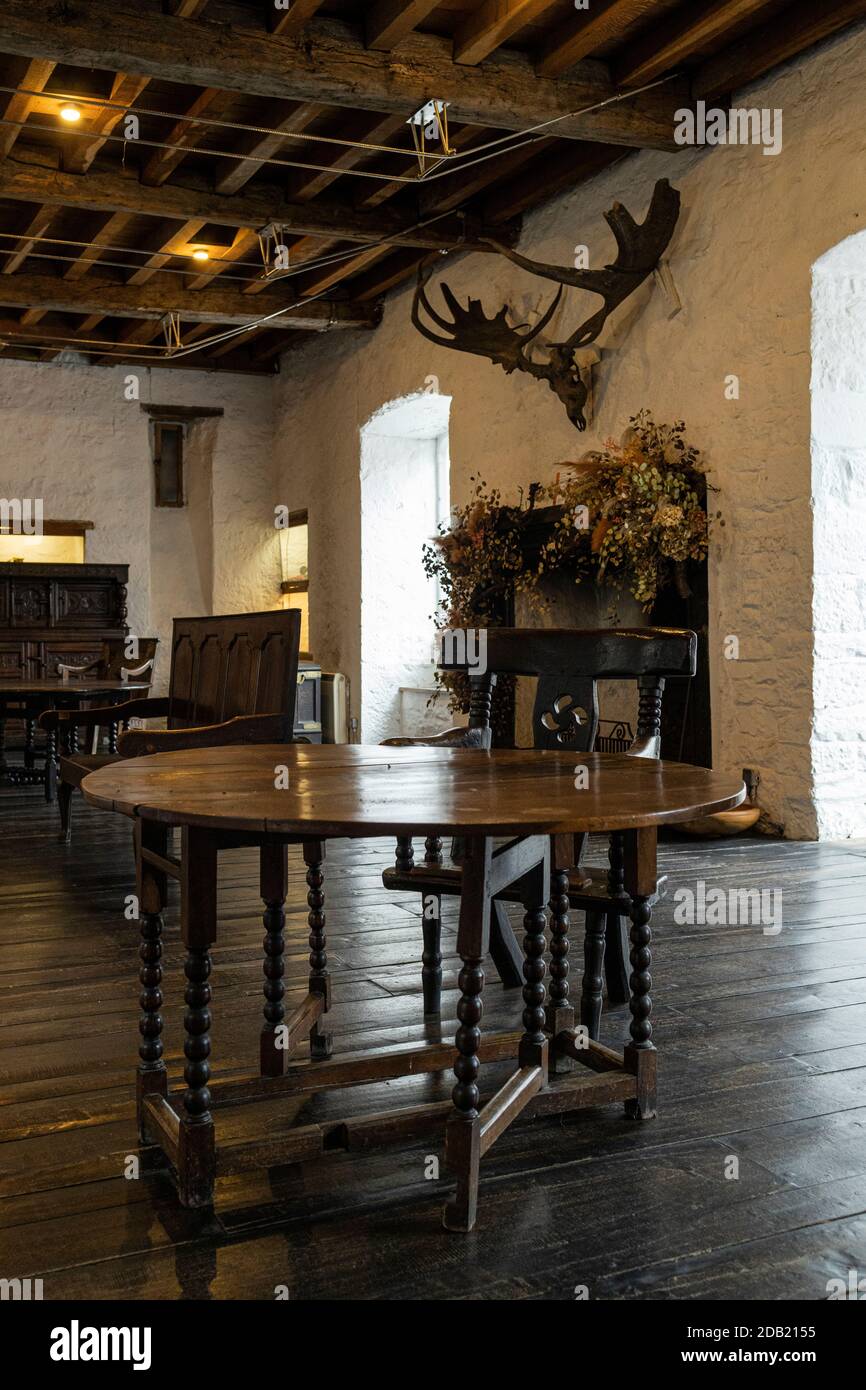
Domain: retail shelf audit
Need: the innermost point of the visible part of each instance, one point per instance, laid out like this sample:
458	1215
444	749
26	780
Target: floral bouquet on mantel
631	515
642	501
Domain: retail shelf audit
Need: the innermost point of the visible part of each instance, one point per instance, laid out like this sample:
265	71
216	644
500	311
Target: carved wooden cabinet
57	613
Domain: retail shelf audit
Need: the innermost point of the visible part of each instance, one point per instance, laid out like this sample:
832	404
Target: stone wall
71	438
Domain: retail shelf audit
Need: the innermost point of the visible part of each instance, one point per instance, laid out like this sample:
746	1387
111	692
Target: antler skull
639	249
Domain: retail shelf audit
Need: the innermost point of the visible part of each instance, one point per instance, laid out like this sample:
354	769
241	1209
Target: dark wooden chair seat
568	664
74	767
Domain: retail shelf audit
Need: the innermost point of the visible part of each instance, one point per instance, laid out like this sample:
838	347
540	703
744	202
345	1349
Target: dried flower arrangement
631	515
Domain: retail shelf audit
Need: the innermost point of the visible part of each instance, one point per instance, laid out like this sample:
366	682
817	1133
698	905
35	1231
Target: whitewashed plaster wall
839	537
70	436
751	228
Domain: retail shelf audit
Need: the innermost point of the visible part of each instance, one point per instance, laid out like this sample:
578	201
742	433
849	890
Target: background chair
568	664
233	679
114	665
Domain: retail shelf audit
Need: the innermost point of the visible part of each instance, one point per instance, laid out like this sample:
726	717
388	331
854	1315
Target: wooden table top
351	790
52	685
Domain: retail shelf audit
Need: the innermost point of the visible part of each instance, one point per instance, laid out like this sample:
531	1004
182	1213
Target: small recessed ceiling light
199	254
70	113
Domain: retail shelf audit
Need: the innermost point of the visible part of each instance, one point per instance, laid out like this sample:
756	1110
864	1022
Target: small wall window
294	547
167	445
56	543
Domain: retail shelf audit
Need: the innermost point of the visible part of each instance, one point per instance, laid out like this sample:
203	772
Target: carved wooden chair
568	663
233	680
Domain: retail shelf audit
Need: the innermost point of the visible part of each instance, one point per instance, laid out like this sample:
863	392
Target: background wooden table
26	699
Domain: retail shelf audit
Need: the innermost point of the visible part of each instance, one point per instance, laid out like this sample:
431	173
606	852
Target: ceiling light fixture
70	113
200	254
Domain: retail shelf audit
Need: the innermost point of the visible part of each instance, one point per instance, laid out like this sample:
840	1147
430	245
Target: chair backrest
115	660
569	663
240	663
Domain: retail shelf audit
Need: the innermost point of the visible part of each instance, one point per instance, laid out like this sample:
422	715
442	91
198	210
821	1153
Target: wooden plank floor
763	1058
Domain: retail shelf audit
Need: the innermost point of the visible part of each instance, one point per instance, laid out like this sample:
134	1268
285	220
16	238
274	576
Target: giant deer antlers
639	249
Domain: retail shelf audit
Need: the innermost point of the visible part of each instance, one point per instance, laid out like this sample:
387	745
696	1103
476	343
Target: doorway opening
838	446
405	496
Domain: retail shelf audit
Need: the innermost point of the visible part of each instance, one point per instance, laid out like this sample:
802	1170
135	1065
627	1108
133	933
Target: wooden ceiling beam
784	36
443	194
399	266
333	67
36	228
81	150
551	175
113	227
304	249
216	305
186	134
185	9
263	147
288	17
327	276
20	104
389	21
604	22
675	38
493	23
106	191
231	344
246	243
376	192
378	131
169	248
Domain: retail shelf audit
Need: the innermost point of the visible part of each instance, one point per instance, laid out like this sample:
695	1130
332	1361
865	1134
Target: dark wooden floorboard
763	1059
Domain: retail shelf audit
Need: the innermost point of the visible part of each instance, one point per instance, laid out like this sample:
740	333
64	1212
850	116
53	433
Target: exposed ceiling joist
677	37
112	228
245	244
186	134
20	104
264	147
604	22
376	131
783	37
36	228
320	280
104	191
389	21
80	152
216	305
185	9
169	248
493	23
288	17
333	66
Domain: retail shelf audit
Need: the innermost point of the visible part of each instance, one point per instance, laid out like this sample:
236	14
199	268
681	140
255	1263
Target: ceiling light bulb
199	254
70	113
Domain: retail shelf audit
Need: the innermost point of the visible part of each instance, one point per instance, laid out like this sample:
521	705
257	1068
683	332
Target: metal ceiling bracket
171	332
429	125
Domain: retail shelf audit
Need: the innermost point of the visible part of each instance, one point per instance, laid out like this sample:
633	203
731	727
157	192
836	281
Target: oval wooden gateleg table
272	794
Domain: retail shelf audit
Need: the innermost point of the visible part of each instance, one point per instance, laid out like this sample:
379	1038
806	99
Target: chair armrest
143	670
75	670
244	728
106	714
461	737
